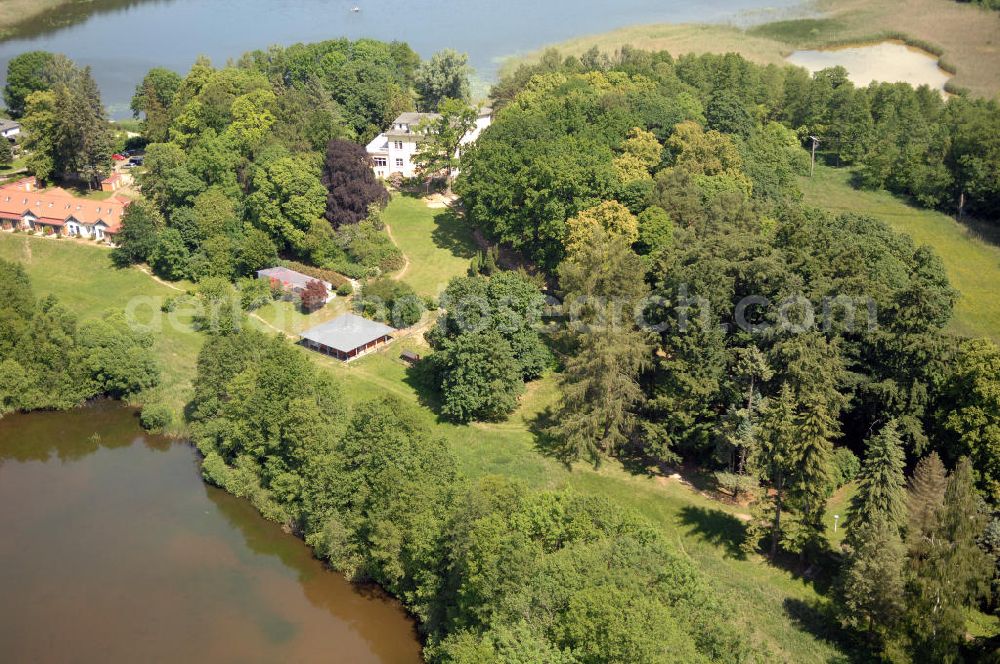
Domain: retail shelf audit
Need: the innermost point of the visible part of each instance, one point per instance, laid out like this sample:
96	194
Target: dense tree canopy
66	125
350	183
49	360
489	568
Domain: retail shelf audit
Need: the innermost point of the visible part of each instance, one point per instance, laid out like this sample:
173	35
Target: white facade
9	129
76	228
392	151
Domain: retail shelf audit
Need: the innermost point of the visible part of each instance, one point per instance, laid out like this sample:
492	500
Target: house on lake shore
56	211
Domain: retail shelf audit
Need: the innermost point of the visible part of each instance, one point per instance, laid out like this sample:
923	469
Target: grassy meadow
435	240
783	613
81	276
972	259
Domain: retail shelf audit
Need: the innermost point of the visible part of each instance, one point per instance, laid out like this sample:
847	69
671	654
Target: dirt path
146	271
406	259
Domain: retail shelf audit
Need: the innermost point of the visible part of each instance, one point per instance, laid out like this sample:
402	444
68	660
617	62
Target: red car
118	157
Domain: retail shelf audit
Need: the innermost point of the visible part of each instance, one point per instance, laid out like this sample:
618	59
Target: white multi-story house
392	151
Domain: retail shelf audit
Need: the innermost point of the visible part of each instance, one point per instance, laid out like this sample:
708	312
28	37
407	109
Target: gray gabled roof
347	332
8	124
413	118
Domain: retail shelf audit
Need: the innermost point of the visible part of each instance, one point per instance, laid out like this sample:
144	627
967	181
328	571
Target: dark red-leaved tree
350	183
313	296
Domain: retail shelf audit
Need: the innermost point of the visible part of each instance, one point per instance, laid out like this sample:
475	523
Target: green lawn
776	608
436	241
972	262
768	600
838	504
82	277
284	315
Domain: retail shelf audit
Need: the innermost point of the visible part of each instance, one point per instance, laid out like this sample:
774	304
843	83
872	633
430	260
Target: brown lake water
112	549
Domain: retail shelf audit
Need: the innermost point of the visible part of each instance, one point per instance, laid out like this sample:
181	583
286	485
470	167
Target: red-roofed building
24	206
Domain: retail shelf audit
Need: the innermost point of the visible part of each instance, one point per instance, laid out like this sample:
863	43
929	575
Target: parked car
118	157
136	161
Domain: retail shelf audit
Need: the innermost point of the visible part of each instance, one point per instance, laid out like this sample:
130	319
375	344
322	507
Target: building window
399	162
380	161
398	145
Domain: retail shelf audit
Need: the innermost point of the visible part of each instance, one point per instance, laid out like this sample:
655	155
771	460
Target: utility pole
812	167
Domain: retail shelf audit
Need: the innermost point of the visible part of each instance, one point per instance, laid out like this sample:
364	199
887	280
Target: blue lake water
122	39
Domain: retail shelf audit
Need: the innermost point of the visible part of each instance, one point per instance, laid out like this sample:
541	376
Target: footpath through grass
82	277
971	260
777	609
435	240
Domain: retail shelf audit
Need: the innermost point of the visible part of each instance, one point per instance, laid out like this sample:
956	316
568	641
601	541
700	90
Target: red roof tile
58	205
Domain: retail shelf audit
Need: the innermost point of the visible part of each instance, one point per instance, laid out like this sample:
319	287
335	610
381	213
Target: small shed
347	337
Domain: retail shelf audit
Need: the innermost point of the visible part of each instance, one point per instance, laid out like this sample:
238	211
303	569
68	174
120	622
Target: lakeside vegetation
634	176
962	35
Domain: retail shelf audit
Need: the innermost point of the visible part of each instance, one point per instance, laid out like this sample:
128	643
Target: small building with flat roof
347	337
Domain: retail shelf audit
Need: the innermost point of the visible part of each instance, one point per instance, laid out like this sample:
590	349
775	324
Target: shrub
254	293
313	296
345	289
390	301
735	485
329	276
846	466
156	417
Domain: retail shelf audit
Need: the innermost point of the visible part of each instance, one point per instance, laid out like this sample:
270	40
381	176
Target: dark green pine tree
600	391
925	500
776	465
600	387
870	587
881	484
815	431
947	569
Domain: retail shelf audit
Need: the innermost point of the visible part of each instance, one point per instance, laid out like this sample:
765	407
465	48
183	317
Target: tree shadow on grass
451	232
983	230
820	620
545	443
420	376
716	527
